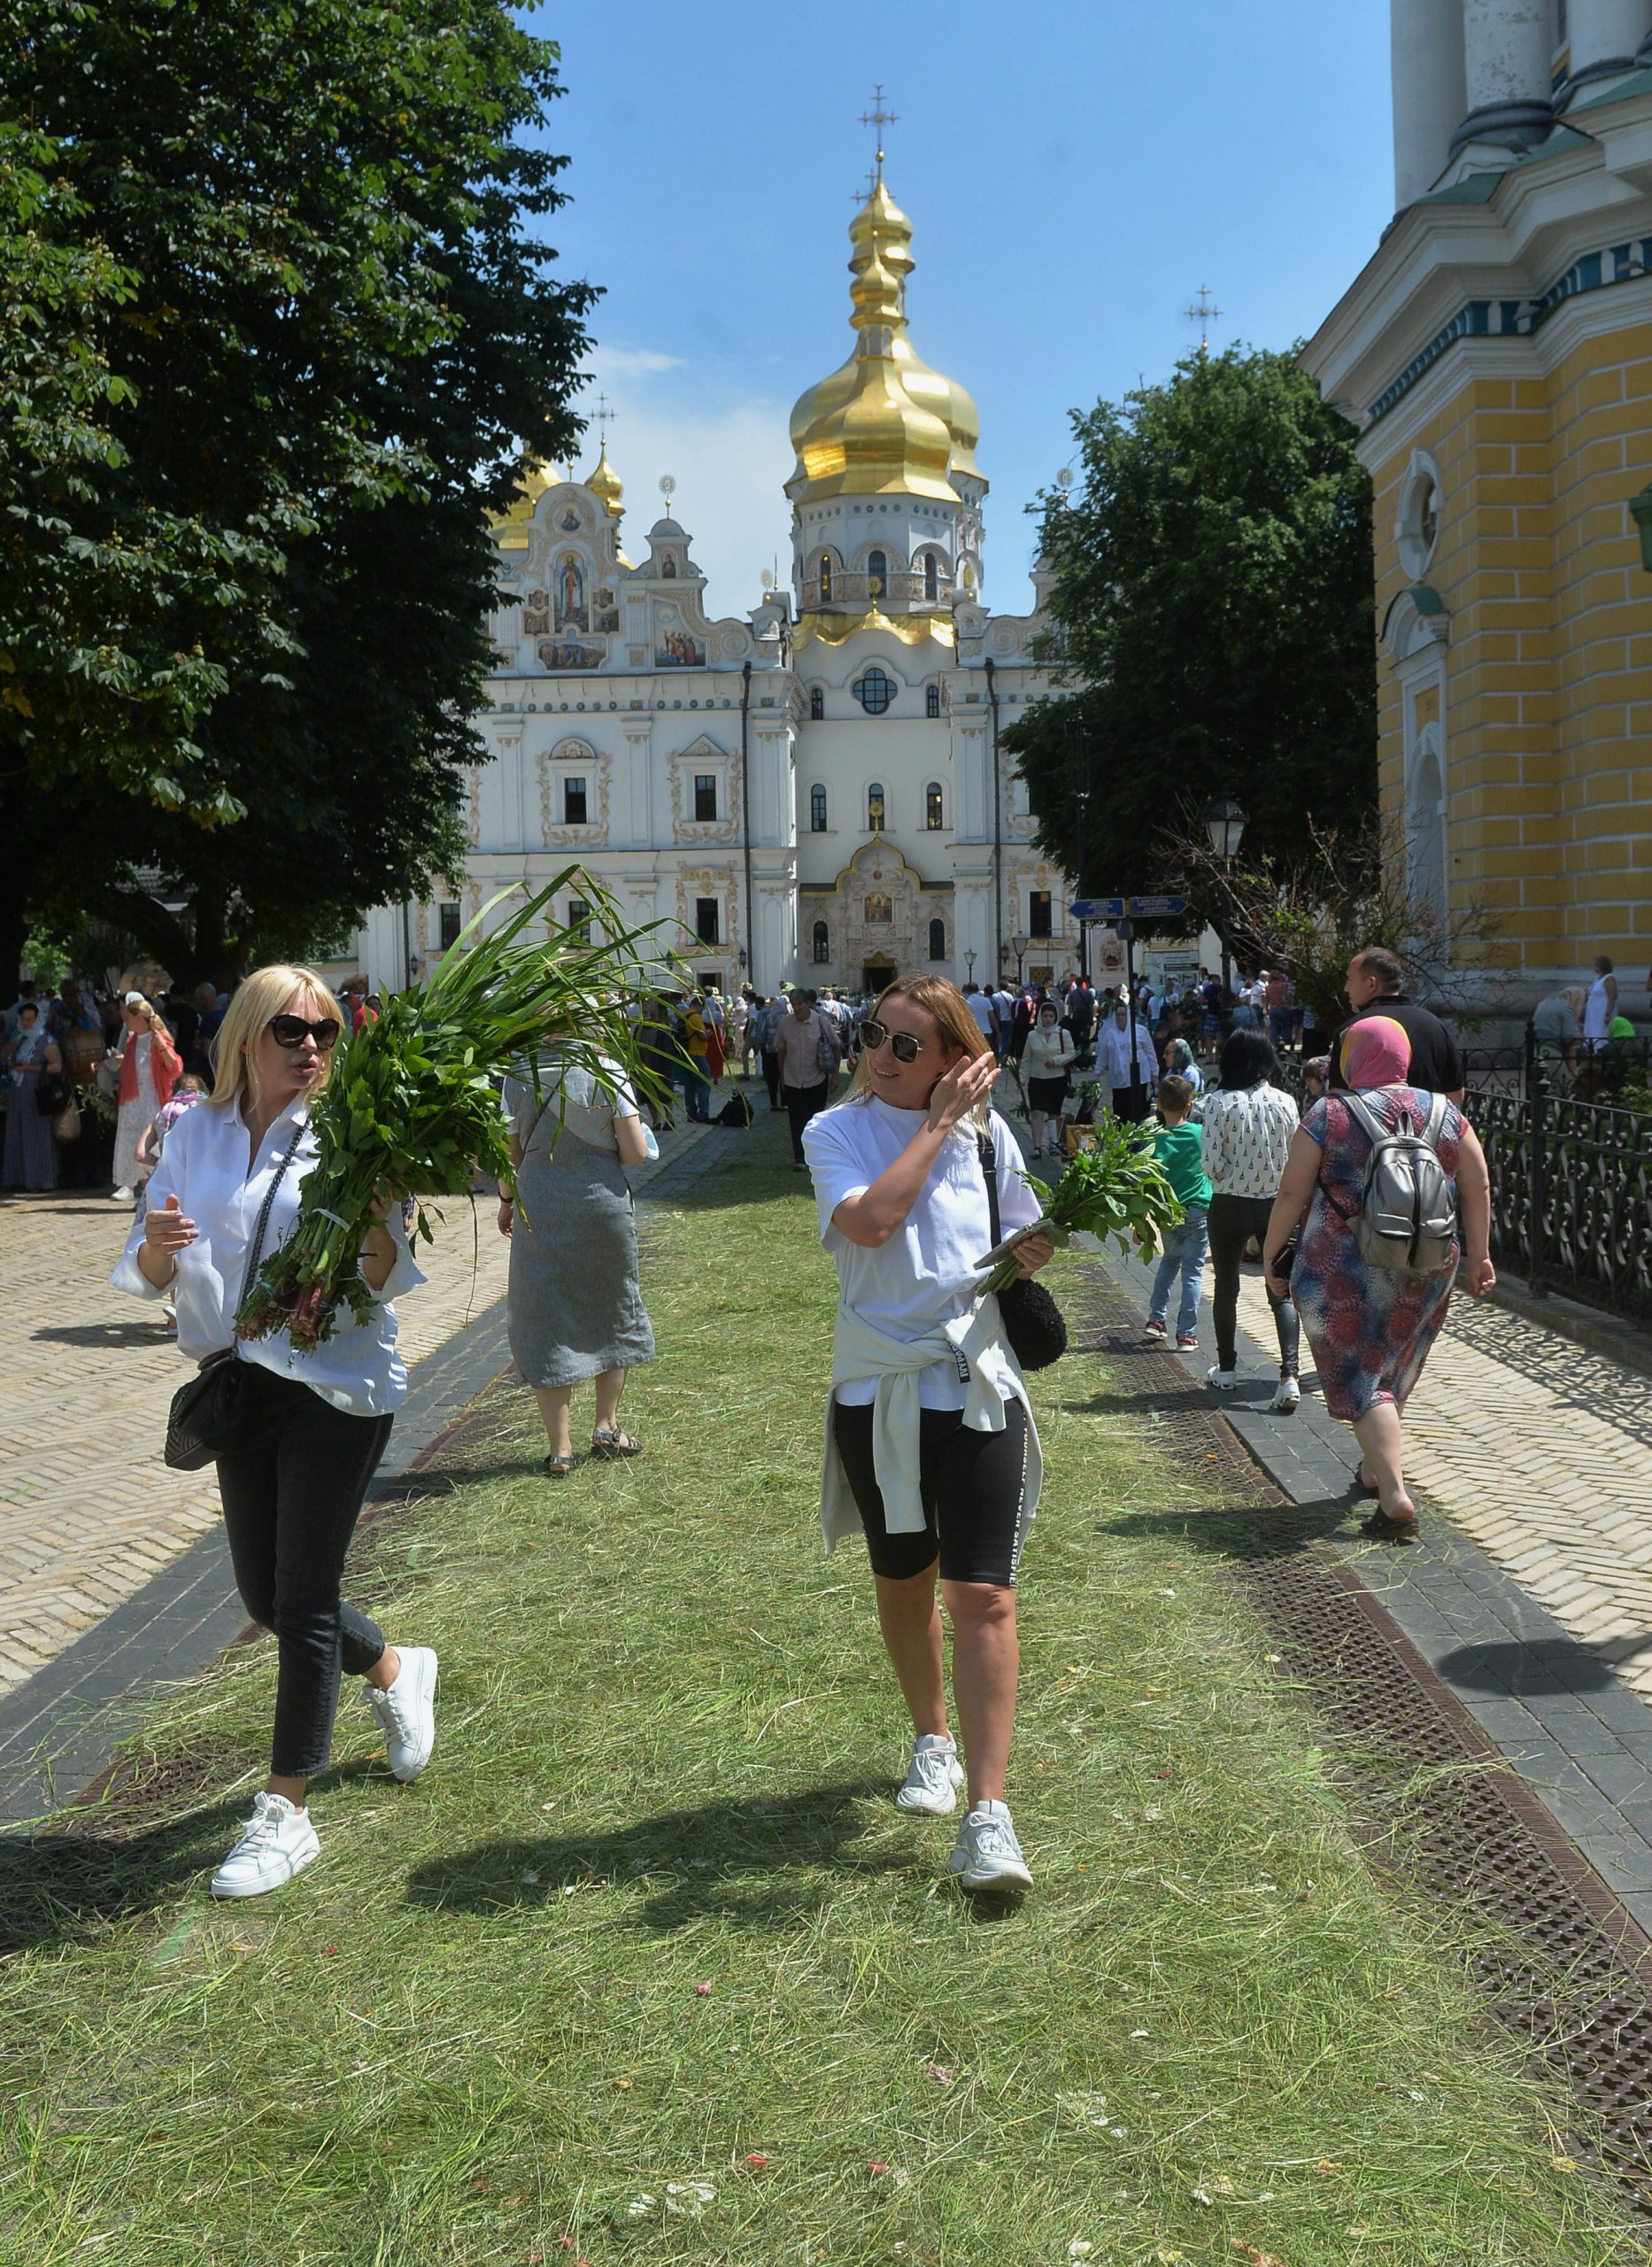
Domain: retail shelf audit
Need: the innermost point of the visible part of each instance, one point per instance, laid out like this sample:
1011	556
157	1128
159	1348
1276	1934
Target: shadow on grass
1266	1531
757	1862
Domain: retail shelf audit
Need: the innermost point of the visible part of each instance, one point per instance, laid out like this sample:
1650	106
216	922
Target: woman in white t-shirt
930	1447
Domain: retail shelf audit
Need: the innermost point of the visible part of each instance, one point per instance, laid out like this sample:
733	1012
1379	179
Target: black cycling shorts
974	1487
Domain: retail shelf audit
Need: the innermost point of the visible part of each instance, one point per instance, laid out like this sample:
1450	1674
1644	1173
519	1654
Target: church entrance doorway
875	974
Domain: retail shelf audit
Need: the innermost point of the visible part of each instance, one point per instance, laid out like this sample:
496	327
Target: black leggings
974	1487
802	1104
292	1500
1233	1220
771	1076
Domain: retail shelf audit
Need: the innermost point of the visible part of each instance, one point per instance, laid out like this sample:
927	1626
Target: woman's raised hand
166	1228
966	1084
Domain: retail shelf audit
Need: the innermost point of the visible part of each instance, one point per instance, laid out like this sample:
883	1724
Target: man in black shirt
1373	988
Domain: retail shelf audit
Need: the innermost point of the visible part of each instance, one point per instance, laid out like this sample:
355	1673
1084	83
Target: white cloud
610	364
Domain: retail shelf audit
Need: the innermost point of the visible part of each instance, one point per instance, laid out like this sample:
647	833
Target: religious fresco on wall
675	646
604	611
570	653
878	907
569	522
535	613
570	592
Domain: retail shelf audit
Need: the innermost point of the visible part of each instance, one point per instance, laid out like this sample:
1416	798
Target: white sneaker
123	1196
933	1776
406	1712
986	1854
279	1843
1287	1395
1223	1380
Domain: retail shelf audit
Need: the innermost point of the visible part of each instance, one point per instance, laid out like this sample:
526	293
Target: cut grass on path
648	1967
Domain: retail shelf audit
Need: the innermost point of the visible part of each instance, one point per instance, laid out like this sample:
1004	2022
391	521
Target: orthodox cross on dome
878	118
607	415
1204	313
860	194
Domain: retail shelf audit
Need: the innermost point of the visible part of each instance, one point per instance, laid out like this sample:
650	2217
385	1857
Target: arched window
822	944
931	700
877	573
937	940
875	809
817	810
817	704
875	691
825	578
1426	838
931	578
934	814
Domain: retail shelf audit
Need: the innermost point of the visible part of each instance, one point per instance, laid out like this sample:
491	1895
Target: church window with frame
934	807
1039	914
820	940
706	799
817	810
931	700
825	578
579	919
875	807
817	704
877	573
931	579
576	804
875	691
937	940
452	921
707	920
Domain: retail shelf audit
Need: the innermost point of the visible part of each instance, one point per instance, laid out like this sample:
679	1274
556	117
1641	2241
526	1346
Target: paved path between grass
113	1574
1485	1597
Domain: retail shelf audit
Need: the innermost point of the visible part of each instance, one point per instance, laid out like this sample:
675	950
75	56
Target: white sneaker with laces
406	1712
278	1843
933	1776
1223	1380
1287	1395
986	1854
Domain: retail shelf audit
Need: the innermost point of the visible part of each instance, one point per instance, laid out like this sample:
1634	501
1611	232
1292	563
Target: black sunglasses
902	1045
289	1031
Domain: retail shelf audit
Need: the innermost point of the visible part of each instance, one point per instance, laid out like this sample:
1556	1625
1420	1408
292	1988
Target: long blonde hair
945	1004
236	1047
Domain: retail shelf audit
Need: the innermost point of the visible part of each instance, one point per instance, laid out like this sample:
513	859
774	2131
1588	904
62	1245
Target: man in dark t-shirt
1373	988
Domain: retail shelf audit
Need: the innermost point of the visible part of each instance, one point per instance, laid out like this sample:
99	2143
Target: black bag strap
988	1156
255	1251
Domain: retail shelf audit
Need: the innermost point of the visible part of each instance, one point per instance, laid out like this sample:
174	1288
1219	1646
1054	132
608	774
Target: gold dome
883	422
605	482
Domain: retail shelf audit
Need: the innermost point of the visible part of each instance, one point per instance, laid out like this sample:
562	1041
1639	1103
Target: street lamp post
969	963
1018	946
1224	823
1079	749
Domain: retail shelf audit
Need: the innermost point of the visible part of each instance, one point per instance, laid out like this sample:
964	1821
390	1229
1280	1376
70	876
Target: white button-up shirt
206	1163
1114	1066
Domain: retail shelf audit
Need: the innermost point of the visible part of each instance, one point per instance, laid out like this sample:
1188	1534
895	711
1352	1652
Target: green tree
1213	613
307	321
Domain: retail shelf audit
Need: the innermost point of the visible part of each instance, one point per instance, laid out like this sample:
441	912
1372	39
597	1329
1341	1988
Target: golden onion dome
883	422
605	482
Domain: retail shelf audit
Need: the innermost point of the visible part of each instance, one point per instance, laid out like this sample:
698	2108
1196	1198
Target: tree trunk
14	920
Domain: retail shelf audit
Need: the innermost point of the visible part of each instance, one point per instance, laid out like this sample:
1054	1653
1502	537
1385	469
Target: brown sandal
557	1467
609	1442
1381	1528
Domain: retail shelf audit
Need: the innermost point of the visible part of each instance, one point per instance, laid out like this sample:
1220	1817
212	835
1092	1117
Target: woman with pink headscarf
1370	1328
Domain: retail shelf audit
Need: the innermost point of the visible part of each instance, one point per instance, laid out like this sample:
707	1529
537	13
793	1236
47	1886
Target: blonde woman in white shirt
316	1424
930	1448
1046	1061
1249	1123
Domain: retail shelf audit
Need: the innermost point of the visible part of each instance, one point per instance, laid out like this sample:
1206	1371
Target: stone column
1508	51
1602	38
1430	93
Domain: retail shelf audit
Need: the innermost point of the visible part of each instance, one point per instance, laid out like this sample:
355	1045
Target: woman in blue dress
31	1151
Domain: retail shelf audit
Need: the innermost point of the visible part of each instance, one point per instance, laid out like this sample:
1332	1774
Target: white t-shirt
924	1277
981	1008
1004	1002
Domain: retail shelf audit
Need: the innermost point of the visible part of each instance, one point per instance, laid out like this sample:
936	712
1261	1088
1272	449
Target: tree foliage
290	329
1212	621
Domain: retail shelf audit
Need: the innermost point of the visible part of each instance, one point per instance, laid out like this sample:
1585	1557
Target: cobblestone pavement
88	1511
1542	1452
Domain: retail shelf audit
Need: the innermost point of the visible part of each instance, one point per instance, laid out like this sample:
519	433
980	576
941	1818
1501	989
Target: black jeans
802	1104
1233	1220
771	1076
291	1498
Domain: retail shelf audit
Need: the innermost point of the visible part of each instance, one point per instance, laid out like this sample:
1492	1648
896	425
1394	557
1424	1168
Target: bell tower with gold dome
886	492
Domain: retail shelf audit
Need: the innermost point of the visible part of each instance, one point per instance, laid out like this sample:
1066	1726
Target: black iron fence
1571	1194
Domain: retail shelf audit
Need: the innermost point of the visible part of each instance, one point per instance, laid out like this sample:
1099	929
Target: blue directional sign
1147	908
1126	908
1123	929
1083	908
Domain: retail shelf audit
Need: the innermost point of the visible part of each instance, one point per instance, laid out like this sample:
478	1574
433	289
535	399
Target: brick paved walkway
88	1511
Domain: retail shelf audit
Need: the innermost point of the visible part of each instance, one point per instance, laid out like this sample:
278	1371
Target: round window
1419	517
875	691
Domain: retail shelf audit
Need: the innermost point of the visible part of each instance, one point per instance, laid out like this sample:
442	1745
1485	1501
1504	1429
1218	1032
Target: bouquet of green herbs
412	1108
1116	1190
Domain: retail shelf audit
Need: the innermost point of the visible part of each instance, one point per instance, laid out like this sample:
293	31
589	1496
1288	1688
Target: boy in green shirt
1179	1146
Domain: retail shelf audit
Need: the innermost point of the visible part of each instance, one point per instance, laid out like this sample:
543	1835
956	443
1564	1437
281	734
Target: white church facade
816	792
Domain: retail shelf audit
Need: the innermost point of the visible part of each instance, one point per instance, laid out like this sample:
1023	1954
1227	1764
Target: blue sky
1073	172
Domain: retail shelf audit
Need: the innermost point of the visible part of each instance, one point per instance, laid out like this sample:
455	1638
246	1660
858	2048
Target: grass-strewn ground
647	1968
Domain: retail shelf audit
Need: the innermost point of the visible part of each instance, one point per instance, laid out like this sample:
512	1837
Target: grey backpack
1408	1212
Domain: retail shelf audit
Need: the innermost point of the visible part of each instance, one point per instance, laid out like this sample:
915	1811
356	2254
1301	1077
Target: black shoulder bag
1033	1323
208	1413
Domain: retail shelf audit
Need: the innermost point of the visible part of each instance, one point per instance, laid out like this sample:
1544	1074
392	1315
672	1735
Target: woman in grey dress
576	1311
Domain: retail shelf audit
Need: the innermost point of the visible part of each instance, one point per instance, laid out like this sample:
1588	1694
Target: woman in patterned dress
1371	1328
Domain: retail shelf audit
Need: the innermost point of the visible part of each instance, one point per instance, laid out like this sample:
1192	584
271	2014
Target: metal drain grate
1571	1971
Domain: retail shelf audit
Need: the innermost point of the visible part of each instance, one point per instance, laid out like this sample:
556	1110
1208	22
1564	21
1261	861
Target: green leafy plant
413	1108
1116	1191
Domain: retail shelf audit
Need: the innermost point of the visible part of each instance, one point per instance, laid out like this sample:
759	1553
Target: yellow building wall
1549	667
